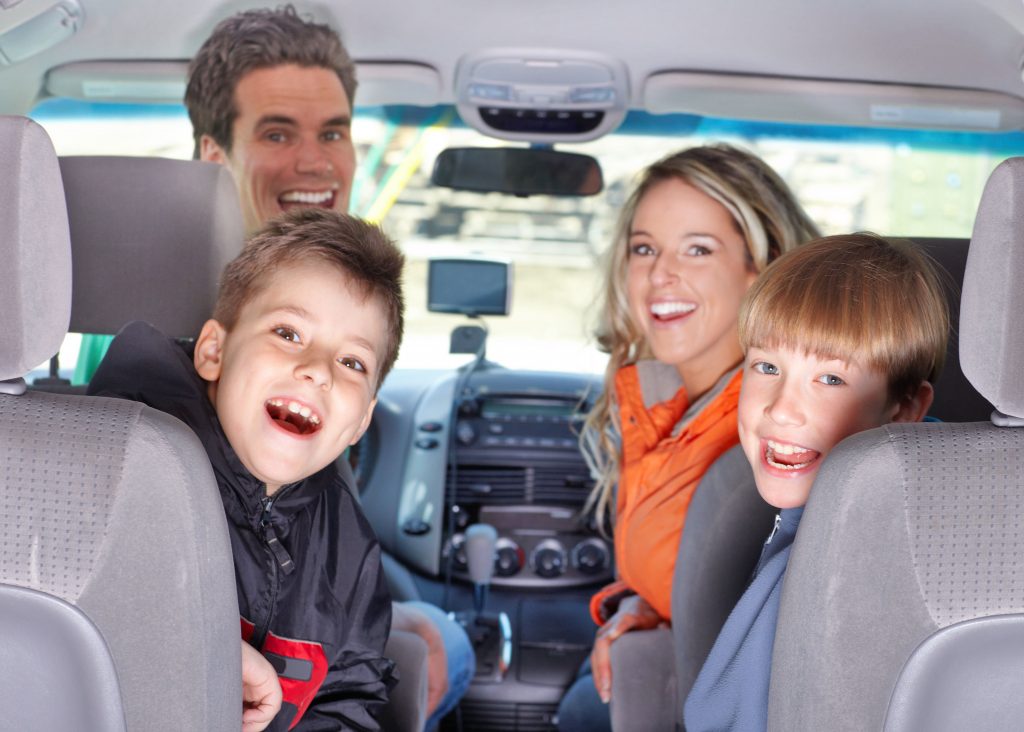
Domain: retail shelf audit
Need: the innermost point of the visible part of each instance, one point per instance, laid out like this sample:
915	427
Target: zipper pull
284	560
778	520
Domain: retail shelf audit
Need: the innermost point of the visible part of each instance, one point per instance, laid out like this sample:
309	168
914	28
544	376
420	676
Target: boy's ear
211	152
914	407
208	356
364	423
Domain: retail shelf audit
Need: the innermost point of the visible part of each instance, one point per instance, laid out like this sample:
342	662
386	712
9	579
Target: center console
500	448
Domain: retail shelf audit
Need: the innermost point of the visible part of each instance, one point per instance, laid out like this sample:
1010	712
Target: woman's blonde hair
855	296
765	212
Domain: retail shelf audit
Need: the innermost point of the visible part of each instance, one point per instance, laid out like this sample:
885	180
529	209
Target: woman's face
687	271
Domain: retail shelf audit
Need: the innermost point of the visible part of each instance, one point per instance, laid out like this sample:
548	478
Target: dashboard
499	447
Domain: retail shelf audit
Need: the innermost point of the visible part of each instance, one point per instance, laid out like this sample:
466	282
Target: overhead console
541	95
506	455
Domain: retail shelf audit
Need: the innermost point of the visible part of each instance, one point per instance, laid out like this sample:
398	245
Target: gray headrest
150	237
991	330
35	258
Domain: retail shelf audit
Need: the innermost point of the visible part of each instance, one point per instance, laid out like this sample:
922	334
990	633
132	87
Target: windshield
903	183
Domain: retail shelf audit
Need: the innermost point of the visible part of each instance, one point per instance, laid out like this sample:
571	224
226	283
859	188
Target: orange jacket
659	472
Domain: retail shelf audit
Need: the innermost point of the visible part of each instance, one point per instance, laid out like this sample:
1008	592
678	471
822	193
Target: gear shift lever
490	633
479	547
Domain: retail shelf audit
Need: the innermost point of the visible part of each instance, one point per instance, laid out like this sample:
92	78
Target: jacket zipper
775	529
282	561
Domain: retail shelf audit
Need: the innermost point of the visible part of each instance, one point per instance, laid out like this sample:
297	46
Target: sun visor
542	96
810	101
164	82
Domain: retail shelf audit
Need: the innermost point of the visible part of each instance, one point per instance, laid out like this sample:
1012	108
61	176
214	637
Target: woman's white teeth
306	197
662	309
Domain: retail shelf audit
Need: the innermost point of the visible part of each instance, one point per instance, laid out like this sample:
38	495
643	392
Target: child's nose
785	406
316	370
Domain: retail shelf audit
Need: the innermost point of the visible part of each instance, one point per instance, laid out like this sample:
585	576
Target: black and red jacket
311	589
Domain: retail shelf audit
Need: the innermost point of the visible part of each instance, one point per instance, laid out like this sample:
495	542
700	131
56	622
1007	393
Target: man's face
293	382
291	142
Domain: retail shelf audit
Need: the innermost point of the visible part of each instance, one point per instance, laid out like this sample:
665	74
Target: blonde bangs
854	297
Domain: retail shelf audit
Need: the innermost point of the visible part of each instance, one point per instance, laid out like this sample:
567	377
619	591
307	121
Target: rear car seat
117	592
903	604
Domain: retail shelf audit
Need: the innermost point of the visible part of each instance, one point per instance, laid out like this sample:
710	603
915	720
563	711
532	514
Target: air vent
480	484
489	717
561	484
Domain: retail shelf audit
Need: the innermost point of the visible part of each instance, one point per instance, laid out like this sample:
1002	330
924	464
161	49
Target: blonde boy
844	334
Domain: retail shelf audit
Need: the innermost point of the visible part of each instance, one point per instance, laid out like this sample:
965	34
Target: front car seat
903	603
117	593
726	525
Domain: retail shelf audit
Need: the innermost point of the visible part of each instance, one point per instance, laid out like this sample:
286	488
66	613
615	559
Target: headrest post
1005	420
14	387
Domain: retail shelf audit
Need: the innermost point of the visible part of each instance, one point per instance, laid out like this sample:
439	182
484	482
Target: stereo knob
508	558
548	558
590	556
456	549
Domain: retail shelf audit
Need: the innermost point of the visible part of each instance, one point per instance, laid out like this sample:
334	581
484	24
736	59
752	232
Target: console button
426	443
431	427
416	527
465	433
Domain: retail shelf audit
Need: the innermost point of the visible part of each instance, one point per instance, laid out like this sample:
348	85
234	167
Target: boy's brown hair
361	251
854	296
250	40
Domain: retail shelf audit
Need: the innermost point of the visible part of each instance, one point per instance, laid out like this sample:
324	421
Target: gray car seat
150	237
726	525
903	604
117	597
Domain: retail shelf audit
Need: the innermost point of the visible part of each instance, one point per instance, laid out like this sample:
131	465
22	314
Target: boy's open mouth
786	456
666	311
293	417
315	199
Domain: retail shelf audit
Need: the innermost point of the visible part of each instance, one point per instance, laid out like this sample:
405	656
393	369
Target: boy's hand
634	613
261	691
411	620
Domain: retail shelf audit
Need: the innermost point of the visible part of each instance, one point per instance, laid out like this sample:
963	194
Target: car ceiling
949	43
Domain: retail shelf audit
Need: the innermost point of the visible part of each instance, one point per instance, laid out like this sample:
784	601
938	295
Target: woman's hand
634	613
261	691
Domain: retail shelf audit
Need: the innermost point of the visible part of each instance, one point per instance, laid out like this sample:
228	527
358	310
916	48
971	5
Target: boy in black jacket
280	381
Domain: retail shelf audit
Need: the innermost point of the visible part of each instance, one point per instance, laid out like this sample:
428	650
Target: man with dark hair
270	96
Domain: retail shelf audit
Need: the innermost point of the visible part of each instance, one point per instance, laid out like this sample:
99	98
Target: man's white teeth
307	197
661	309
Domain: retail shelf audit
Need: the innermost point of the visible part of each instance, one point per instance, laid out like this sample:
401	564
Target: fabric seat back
113	536
906	580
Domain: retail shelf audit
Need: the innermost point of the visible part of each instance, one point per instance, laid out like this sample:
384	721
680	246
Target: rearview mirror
520	171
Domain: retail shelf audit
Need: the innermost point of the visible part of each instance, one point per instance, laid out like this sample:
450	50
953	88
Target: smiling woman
692	237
